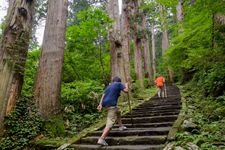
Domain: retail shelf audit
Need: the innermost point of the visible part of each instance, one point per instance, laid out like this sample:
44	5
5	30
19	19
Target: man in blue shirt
109	101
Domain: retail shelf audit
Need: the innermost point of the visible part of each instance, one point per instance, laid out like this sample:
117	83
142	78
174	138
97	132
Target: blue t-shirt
112	94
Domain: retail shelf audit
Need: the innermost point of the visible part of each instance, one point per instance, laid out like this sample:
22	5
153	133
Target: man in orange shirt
160	83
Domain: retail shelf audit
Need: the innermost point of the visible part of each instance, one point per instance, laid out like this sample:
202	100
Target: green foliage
170	3
74	8
22	125
1	30
136	89
54	127
198	51
82	95
209	115
87	48
192	45
41	10
76	122
30	71
212	81
80	100
196	55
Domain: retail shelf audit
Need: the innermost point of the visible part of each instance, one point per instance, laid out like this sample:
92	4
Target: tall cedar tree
13	53
48	79
138	37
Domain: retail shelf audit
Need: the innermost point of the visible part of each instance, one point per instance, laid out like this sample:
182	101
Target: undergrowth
22	125
208	113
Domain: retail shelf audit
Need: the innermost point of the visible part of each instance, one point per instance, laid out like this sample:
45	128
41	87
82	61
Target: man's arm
100	103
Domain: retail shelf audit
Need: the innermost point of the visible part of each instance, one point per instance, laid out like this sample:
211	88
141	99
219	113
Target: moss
58	141
55	126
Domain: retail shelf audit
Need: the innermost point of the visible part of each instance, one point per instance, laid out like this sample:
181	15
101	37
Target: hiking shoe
102	142
121	128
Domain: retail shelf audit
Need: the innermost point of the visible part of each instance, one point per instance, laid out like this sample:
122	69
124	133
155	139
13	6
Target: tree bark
165	41
125	26
138	37
138	61
146	53
48	79
180	15
13	53
115	39
179	8
153	49
165	37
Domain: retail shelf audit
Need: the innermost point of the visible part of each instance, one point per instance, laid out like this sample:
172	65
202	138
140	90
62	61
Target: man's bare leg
101	140
118	113
105	132
159	92
121	126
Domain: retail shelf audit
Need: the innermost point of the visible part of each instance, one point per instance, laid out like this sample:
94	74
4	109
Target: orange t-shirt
160	81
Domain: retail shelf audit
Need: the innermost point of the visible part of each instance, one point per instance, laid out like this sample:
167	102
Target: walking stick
128	98
128	95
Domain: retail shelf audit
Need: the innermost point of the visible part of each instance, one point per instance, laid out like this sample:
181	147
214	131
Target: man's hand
99	108
126	87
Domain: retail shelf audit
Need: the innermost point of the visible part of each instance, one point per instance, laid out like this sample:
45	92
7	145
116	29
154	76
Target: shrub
82	95
22	125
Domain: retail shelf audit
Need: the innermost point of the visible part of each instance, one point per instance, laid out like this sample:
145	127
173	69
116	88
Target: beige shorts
114	113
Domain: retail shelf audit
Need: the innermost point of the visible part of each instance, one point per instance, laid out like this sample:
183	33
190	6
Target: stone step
144	114
150	119
134	132
169	98
146	125
147	130
158	103
131	140
157	108
154	111
116	147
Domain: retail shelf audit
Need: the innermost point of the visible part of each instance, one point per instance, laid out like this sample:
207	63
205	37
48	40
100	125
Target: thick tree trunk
115	38
125	29
179	8
146	54
138	61
48	79
138	36
165	37
180	15
165	41
153	49
13	53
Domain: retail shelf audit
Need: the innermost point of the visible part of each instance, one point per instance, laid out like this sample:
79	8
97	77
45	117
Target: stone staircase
147	130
